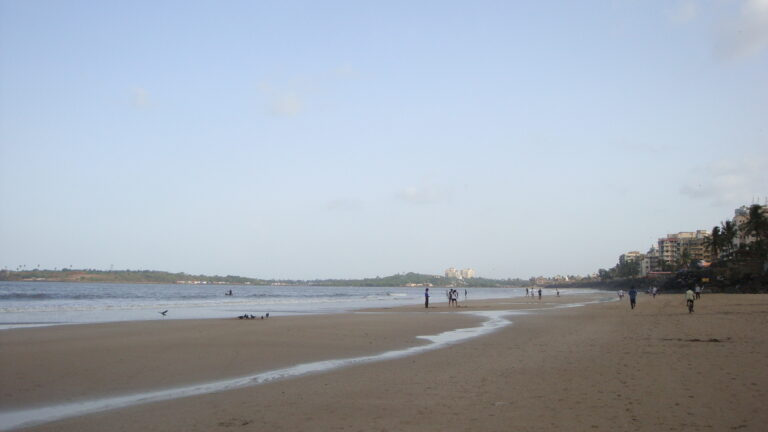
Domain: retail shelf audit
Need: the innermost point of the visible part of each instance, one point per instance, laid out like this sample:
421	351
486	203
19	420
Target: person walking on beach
539	293
426	298
632	297
689	297
697	291
621	294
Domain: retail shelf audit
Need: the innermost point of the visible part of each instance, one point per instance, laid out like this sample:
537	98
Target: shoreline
309	338
22	306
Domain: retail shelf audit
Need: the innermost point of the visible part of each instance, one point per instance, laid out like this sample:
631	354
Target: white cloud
280	102
288	104
344	205
424	194
345	71
731	182
140	98
685	11
746	34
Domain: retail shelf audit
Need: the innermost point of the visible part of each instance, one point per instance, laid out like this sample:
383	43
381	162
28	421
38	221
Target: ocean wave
27	296
242	303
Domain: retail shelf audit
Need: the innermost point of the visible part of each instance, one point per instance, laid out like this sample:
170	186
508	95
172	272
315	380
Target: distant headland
161	277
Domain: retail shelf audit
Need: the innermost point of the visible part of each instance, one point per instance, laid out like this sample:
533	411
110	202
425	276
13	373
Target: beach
600	366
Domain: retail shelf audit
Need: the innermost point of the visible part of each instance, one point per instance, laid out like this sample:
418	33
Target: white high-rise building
467	273
452	273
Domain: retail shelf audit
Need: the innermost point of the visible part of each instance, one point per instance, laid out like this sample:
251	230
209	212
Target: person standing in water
426	298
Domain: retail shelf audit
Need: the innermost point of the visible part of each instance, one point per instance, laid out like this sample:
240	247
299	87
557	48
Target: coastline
548	370
26	304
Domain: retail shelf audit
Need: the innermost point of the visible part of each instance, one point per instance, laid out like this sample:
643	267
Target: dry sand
601	367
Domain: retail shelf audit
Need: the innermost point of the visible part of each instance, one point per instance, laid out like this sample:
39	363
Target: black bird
164	312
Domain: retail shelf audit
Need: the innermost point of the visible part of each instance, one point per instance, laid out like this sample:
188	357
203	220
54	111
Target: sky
349	139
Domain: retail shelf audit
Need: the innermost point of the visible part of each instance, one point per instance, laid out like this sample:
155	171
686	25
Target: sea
28	304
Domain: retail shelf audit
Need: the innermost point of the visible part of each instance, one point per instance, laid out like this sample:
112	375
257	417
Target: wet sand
597	367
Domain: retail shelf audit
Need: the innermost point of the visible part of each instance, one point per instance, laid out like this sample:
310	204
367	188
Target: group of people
532	292
691	295
453	297
652	291
247	316
452	294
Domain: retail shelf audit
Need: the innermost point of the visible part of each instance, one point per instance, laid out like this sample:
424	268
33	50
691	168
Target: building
697	246
741	217
628	257
460	274
668	248
650	262
452	273
674	246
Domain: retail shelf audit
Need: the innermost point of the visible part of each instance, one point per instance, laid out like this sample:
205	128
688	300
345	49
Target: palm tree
714	242
728	232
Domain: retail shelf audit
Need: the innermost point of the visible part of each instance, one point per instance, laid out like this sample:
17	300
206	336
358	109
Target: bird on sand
164	312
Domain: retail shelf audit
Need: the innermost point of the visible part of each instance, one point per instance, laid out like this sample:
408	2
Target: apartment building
460	274
672	246
650	262
669	248
631	256
740	217
697	245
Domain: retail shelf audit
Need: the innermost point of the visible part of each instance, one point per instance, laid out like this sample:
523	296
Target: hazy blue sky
355	139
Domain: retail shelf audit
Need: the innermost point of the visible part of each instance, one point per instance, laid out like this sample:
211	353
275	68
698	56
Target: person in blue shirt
632	297
426	298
